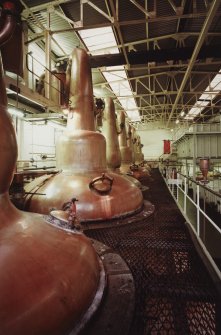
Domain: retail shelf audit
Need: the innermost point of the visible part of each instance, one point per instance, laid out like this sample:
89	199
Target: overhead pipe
8	13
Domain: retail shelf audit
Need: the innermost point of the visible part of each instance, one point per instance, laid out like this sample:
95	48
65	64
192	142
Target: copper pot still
139	169
204	164
111	133
81	159
41	266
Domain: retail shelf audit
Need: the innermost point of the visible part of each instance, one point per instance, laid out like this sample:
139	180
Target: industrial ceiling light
177	121
182	113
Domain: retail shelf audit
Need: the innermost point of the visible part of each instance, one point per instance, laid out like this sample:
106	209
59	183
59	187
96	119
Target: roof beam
148	14
212	11
44	6
99	10
143	57
164	66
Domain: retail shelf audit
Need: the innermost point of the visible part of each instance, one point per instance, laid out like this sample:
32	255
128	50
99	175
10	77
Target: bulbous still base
49	277
101	196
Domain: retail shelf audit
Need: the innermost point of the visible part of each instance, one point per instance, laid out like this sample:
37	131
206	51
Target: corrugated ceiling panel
90	15
66	39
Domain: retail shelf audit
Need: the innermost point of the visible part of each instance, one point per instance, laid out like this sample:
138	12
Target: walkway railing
202	216
196	128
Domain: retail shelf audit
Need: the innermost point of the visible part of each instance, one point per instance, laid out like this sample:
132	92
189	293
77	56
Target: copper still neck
122	135
80	148
129	136
110	132
80	91
126	152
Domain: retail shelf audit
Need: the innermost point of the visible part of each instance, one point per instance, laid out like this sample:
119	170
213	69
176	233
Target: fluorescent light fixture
177	121
182	113
16	112
98	38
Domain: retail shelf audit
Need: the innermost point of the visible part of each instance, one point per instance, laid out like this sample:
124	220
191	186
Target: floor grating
174	292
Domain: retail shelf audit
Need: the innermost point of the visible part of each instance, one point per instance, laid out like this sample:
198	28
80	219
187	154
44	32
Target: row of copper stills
49	276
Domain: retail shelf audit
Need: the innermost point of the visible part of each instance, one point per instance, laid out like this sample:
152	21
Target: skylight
95	40
205	98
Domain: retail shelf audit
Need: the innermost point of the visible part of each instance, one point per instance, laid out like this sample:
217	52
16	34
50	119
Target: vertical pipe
185	194
48	58
25	48
177	187
194	164
198	211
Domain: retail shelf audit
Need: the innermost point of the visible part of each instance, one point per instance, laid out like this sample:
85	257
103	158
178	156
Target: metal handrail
200	184
196	229
62	91
197	204
198	128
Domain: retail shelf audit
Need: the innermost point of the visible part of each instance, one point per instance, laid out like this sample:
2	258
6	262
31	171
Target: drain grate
174	292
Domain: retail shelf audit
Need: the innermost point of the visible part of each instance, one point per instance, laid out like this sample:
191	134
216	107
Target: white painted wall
153	142
34	140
